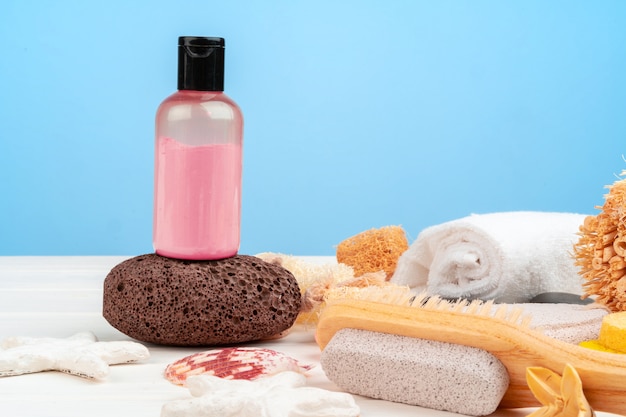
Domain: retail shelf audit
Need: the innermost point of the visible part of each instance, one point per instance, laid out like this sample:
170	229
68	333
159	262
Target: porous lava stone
169	301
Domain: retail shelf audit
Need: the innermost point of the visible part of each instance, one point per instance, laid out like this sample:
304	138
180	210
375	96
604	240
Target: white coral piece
280	395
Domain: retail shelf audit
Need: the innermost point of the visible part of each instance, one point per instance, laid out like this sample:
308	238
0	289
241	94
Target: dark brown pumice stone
168	301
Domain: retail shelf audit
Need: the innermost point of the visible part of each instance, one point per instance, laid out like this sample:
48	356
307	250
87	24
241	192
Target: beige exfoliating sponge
373	250
313	279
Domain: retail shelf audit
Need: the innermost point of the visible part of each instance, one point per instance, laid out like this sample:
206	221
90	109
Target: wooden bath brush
502	330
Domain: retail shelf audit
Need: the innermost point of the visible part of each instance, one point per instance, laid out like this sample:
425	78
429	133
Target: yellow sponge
596	345
373	250
613	331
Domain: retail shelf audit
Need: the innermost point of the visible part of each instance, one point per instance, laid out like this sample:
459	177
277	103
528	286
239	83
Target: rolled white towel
507	256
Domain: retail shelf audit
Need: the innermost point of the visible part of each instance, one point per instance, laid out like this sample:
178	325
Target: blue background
358	114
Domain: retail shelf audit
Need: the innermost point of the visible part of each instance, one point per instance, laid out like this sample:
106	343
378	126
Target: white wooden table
61	296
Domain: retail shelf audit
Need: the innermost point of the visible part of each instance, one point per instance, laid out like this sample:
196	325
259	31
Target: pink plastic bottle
198	158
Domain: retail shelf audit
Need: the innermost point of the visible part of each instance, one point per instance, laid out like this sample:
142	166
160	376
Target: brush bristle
392	294
402	296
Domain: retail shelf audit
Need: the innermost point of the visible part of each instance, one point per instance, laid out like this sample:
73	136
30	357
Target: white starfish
80	354
280	395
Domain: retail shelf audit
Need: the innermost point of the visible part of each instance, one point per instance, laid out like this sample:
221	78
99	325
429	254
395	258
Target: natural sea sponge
198	303
373	250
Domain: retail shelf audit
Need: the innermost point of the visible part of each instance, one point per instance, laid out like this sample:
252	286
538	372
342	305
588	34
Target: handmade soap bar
194	303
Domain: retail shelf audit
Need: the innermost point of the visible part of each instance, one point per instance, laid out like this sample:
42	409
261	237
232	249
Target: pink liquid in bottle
197	200
198	159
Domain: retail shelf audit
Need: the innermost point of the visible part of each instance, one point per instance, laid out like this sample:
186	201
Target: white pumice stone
427	373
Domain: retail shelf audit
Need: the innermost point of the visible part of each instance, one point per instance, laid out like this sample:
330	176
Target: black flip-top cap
200	63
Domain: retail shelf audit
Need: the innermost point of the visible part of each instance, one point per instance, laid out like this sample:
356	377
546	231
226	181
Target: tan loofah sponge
373	250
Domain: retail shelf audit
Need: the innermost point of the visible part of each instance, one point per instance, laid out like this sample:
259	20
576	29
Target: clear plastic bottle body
198	176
